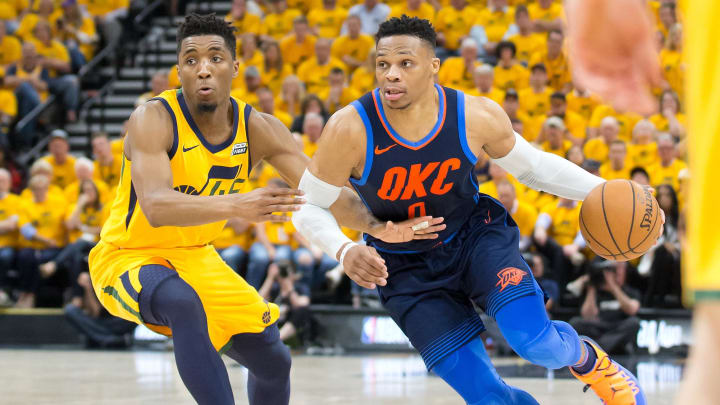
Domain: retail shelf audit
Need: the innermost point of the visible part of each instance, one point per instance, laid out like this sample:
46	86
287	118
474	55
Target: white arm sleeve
547	172
314	220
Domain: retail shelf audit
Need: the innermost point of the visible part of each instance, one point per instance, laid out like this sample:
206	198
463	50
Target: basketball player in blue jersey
409	148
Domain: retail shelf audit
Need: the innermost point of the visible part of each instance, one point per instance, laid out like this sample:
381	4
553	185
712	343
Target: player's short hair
207	24
503	45
412	26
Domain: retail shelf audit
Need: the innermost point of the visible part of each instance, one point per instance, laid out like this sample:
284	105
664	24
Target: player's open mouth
205	90
393	94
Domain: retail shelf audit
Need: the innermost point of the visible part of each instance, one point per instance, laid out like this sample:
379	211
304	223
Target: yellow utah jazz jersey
198	168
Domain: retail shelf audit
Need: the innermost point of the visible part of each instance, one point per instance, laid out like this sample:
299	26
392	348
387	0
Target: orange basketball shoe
611	381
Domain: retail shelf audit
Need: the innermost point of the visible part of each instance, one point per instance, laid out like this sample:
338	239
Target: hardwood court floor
149	377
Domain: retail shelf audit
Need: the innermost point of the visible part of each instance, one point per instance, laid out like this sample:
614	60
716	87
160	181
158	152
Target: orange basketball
620	220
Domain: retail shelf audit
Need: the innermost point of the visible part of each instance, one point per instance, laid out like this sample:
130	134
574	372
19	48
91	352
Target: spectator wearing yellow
312	129
42	230
291	95
575	155
557	236
555	61
10	47
363	78
574	123
497	175
509	73
354	47
108	15
158	84
46	11
8	111
492	24
252	84
582	102
616	167
173	80
643	151
107	166
266	104
327	21
666	17
523	35
371	14
546	15
310	104
10	10
77	31
304	6
42	168
640	176
10	205
242	20
273	70
523	213
278	22
626	121
535	99
453	23
63	164
671	60
483	78
234	242
554	135
667	170
414	8
457	71
597	148
511	105
670	119
248	52
84	170
298	46
338	94
315	71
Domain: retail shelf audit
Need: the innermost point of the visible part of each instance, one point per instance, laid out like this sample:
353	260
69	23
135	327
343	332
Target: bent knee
556	346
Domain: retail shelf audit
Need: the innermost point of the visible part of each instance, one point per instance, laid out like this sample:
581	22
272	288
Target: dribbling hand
258	205
365	266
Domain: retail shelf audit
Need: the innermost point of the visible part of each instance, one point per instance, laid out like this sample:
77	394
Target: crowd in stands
302	60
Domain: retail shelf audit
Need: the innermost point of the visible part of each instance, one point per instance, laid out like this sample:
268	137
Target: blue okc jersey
403	179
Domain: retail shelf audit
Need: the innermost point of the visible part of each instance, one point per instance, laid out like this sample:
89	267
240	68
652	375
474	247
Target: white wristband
345	249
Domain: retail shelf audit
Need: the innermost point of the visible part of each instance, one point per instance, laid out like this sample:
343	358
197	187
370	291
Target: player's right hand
258	205
365	266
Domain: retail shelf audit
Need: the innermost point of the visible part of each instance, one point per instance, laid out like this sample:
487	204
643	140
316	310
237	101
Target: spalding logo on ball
620	220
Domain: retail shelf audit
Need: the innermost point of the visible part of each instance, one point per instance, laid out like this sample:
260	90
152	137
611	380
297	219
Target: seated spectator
291	97
158	84
554	133
492	25
339	94
671	60
582	102
483	78
354	47
108	17
107	165
292	297
548	285
535	99
298	46
616	167
327	21
248	93
661	264
625	121
555	61
511	105
266	102
668	168
10	205
248	53
242	20
497	176
312	129
315	71
509	73
609	307
42	236
85	170
523	35
77	32
29	81
670	119
575	155
371	13
574	123
643	150
16	174
557	236
598	148
42	168
11	46
99	328
83	220
10	11
233	244
413	8
524	214
273	70
457	71
43	10
546	15
56	59
640	176
62	162
363	78
278	21
311	104
452	24
8	112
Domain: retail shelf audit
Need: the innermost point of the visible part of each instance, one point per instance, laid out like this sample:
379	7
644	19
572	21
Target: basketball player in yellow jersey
615	57
187	155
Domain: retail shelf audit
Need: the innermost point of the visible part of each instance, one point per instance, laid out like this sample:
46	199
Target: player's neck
412	123
213	125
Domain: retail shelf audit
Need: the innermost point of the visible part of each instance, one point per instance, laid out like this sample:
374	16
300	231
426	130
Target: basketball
620	220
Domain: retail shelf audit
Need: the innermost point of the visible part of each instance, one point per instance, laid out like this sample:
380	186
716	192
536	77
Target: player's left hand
412	229
365	267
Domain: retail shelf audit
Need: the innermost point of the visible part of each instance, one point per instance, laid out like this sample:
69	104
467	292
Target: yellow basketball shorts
231	305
